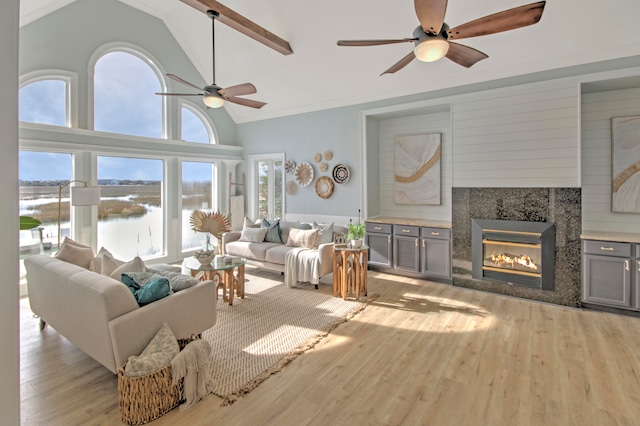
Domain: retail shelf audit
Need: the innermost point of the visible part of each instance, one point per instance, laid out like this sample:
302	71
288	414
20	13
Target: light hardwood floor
421	354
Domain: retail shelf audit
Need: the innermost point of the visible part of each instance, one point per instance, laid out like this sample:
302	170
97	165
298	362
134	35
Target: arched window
195	127
124	96
45	101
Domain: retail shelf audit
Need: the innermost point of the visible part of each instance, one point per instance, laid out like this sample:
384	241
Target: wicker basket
145	398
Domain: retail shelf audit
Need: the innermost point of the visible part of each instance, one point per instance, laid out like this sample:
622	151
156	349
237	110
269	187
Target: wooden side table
350	271
222	275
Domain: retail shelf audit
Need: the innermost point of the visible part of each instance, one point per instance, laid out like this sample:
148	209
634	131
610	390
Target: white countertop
409	221
622	237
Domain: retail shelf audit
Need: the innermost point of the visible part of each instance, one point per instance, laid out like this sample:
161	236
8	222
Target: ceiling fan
433	36
214	96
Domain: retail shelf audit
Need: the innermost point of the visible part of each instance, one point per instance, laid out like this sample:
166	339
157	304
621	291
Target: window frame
206	121
70	79
254	160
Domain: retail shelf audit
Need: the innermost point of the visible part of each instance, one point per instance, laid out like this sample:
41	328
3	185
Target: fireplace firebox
515	252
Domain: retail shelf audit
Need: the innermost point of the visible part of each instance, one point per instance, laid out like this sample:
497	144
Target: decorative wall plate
328	155
341	173
317	157
304	173
324	167
290	166
292	187
324	187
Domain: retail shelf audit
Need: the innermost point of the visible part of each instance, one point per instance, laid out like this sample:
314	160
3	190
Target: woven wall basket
145	398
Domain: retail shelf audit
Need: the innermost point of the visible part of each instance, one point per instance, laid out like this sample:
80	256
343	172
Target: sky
125	102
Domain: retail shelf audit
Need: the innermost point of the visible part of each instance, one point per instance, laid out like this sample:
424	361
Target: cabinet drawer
380	228
408	231
606	248
436	233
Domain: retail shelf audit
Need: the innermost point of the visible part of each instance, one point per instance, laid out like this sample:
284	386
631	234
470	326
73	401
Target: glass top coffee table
227	276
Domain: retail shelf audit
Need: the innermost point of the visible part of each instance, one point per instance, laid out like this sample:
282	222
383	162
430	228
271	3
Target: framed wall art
625	156
417	169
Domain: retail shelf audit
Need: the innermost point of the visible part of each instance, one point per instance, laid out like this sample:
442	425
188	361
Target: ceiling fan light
431	49
213	101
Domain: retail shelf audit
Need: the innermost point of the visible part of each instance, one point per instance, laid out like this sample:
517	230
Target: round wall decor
317	157
341	173
324	187
324	167
292	187
328	155
289	166
304	173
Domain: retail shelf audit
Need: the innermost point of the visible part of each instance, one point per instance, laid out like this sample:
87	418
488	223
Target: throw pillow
326	232
248	223
109	264
158	354
176	281
273	231
134	265
96	262
146	287
301	226
303	238
253	235
76	253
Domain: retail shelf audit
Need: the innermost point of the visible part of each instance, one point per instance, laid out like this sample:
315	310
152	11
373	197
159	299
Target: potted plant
355	234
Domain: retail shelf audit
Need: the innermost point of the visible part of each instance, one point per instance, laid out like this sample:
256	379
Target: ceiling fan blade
401	63
498	22
179	80
431	14
246	102
374	42
180	94
238	90
464	55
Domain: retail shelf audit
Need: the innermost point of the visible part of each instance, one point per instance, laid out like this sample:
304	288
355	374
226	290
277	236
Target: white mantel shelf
409	221
623	237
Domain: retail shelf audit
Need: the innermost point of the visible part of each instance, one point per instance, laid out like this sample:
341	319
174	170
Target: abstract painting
625	136
417	169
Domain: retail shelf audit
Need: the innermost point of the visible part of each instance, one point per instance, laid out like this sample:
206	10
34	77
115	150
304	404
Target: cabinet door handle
607	248
406	231
389	238
435	233
416	242
626	264
377	228
639	266
424	244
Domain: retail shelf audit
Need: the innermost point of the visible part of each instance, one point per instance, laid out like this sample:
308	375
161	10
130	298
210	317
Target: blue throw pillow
150	292
273	231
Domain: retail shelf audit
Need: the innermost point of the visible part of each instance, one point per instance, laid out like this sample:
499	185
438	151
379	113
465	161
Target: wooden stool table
350	271
222	275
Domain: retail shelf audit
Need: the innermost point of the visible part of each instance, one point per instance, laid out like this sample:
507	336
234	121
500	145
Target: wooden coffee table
222	275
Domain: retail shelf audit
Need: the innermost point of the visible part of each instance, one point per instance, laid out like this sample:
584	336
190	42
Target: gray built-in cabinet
611	274
410	249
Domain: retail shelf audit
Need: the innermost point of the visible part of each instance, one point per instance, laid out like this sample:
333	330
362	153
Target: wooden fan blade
180	94
498	22
238	90
246	102
179	80
431	14
464	55
400	64
242	24
374	42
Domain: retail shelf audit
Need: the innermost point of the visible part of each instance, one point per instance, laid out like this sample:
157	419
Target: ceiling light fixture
213	101
431	49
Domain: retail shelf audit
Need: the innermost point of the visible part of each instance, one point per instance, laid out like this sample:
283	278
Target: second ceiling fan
433	36
214	96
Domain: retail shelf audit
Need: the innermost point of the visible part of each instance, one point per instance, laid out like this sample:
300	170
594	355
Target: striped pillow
303	238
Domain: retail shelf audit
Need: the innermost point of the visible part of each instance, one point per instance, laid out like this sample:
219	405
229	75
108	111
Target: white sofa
100	315
271	256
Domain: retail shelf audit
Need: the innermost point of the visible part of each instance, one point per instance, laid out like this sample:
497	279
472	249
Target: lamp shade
431	49
213	101
85	195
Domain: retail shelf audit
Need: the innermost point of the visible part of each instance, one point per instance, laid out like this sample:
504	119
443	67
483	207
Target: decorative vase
205	257
356	243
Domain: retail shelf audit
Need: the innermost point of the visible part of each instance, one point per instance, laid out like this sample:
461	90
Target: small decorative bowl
204	257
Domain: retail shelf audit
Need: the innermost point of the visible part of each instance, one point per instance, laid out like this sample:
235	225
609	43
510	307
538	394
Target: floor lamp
80	196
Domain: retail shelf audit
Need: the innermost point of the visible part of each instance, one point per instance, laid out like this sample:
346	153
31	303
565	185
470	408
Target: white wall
9	329
597	111
437	122
521	136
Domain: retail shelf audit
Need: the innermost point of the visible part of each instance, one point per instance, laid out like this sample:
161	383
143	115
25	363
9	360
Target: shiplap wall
523	136
597	111
436	122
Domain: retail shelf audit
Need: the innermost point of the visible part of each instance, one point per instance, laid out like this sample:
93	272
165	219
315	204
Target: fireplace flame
505	260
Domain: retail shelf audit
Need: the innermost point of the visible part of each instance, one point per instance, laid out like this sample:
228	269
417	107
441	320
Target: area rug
258	335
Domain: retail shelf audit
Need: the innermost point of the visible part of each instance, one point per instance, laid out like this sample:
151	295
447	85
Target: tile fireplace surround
560	206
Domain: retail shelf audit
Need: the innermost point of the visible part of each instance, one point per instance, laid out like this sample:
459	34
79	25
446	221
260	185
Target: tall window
269	174
194	128
197	194
124	96
44	102
130	215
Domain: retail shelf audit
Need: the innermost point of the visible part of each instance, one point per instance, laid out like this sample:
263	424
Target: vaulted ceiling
320	74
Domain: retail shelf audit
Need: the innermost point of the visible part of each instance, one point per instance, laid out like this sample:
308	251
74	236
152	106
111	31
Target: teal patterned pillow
146	287
158	354
273	231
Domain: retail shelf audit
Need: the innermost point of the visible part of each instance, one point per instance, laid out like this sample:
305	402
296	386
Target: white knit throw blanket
301	265
192	363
